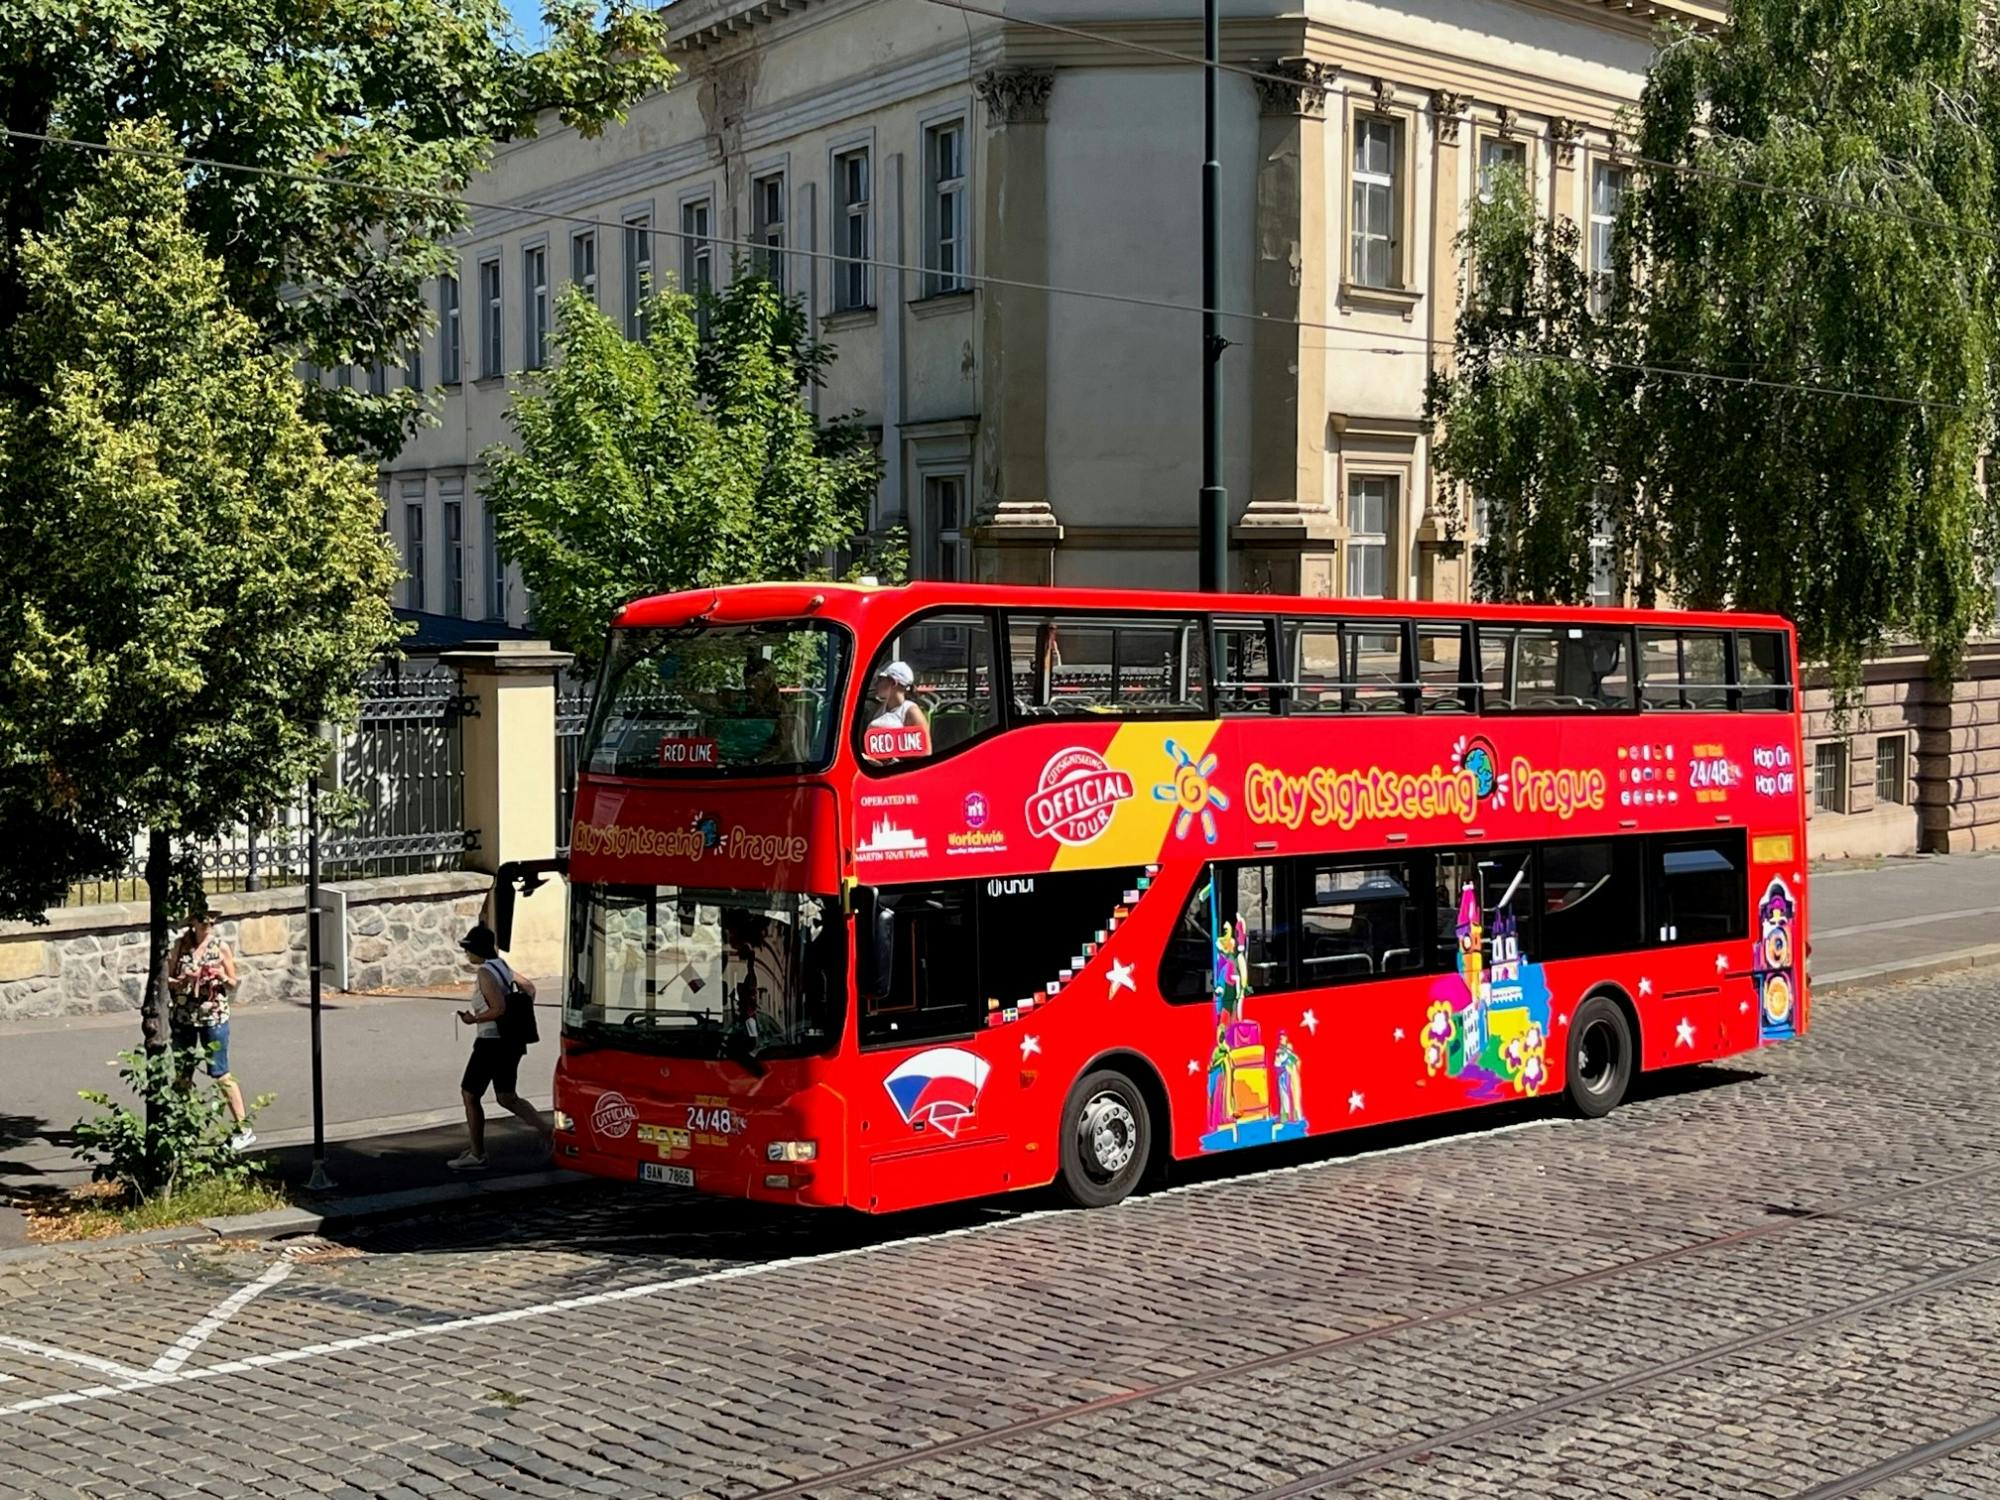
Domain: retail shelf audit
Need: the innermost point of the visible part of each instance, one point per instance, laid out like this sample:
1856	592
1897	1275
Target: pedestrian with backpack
506	1028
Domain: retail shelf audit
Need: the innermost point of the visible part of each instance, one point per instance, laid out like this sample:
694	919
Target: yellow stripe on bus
1144	823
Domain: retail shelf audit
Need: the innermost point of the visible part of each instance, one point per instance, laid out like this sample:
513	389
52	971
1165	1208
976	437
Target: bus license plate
653	1171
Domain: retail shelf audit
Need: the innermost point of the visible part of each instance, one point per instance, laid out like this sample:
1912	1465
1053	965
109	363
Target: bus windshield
715	699
694	973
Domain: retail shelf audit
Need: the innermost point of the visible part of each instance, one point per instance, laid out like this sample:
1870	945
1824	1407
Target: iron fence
402	773
574	697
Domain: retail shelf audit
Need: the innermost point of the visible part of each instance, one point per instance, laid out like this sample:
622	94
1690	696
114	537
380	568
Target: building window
944	527
1496	154
1892	768
491	359
535	288
378	378
451	348
413	366
451	497
1607	196
413	541
1371	521
1830	776
638	273
583	262
944	209
1374	241
850	231
767	226
697	257
496	570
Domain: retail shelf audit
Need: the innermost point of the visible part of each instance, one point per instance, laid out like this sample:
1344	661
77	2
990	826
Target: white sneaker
467	1161
243	1140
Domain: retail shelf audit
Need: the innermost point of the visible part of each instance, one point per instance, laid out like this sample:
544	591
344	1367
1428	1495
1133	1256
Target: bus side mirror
874	942
528	874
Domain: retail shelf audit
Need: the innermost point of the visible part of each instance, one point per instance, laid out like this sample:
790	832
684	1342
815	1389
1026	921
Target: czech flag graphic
939	1087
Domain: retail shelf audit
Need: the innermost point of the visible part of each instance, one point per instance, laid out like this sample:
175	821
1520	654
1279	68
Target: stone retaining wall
402	931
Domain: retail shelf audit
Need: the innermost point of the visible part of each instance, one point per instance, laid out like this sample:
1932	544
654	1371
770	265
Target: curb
288	1223
1983	957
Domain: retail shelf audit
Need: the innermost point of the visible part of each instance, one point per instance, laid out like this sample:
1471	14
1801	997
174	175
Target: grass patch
104	1208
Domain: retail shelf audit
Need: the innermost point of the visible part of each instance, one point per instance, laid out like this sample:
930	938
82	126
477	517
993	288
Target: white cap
898	672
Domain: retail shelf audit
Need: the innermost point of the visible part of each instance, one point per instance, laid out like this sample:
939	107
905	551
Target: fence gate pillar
509	742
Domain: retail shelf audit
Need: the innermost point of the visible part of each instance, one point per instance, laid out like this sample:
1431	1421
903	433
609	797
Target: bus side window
1244	681
950	660
1237	926
1761	667
1444	674
931	978
1699	890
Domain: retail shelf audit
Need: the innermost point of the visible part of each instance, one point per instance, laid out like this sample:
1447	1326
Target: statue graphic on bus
1255	1093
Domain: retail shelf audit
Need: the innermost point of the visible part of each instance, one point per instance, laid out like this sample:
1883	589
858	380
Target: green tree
397	103
673	462
1814	213
192	584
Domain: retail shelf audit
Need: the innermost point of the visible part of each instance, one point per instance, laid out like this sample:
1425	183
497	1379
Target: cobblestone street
1771	1280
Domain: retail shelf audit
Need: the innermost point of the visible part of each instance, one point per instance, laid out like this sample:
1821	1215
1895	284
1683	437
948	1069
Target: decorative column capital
1294	86
1505	115
1448	109
1565	132
1016	96
1385	95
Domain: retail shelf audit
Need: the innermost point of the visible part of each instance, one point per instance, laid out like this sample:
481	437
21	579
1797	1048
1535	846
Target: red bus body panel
902	1126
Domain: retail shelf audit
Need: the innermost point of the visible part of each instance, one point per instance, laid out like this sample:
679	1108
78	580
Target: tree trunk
159	879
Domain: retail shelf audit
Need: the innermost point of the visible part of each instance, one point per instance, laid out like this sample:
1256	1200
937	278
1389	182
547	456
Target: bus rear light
792	1151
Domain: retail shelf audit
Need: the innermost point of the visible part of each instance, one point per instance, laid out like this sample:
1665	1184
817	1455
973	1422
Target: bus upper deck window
929	691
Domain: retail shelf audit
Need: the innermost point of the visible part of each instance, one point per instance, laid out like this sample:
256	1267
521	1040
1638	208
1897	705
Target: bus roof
852	603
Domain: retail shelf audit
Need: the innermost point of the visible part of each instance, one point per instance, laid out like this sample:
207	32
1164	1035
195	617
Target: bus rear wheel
1600	1057
1107	1137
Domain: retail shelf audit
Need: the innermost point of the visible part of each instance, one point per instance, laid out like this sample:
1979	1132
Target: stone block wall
402	932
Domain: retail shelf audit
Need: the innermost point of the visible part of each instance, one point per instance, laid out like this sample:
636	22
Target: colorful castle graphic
1255	1094
1488	1024
1775	964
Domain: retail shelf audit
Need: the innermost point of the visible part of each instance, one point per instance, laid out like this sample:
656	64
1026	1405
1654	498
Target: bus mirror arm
873	941
530	875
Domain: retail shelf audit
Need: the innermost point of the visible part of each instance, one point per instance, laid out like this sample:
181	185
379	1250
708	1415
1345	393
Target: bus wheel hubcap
1108	1133
1597	1056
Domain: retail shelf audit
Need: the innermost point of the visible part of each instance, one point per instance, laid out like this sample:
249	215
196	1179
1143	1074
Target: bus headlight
792	1151
562	1121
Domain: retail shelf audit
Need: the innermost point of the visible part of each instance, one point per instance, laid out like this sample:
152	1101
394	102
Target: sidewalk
1903	916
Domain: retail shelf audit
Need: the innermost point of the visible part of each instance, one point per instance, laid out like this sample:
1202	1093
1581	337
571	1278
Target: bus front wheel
1107	1138
1600	1057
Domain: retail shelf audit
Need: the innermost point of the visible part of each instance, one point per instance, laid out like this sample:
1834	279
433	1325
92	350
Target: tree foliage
386	97
191	584
1821	219
675	461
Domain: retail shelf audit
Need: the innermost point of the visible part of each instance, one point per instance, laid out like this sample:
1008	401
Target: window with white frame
1373	237
850	230
535	292
413	542
451	348
638	272
492	359
767	226
944	208
1371	522
583	262
1892	768
944	527
451	502
697	255
1607	195
1495	155
496	570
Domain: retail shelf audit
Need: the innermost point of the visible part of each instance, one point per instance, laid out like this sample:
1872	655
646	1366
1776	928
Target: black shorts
494	1061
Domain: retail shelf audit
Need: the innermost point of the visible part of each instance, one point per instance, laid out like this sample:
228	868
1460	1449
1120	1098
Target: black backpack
517	1022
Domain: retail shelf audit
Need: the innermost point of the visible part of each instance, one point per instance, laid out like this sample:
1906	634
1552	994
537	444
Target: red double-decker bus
889	896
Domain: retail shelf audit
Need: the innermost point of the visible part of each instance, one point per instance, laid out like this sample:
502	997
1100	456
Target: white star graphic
1563	1019
1030	1045
1121	979
1645	987
1399	1033
1721	962
1310	1022
1354	1103
1684	1033
1743	1009
1193	1067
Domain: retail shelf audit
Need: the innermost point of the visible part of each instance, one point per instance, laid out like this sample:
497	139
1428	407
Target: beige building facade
996	225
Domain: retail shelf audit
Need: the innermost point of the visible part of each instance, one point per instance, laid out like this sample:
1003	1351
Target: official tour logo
613	1117
939	1087
1076	797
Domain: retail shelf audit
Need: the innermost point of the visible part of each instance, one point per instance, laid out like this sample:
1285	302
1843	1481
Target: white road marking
141	1379
229	1307
64	1356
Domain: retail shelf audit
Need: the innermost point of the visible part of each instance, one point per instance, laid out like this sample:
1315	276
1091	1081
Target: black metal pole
1214	499
319	1182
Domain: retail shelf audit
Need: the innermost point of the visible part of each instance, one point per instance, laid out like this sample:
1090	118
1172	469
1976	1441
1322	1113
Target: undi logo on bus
1076	796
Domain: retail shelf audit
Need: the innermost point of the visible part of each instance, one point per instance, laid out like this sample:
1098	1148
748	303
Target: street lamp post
320	1182
1214	499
